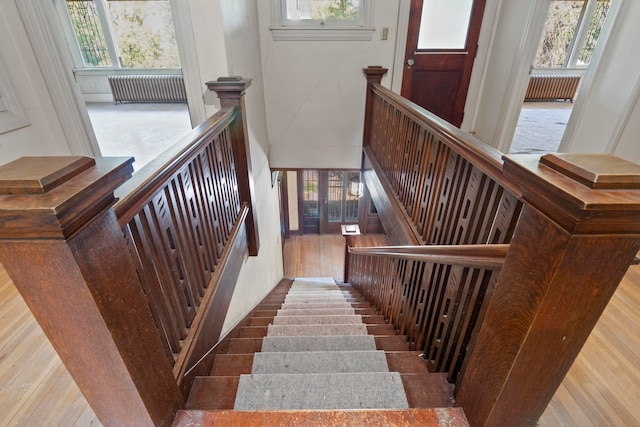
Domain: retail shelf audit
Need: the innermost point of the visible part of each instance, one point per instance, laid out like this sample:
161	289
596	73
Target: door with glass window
327	200
441	46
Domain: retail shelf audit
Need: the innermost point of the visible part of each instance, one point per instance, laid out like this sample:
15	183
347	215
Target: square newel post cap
229	89
54	197
374	73
350	230
584	193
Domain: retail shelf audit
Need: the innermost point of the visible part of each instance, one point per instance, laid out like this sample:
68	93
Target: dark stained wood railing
572	222
449	188
133	293
432	294
177	224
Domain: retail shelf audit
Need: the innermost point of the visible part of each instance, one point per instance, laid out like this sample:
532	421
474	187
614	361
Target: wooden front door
441	46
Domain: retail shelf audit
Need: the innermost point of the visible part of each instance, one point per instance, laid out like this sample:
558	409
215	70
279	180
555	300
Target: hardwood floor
601	389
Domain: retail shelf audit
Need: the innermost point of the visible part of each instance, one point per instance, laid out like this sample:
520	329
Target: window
571	33
124	33
322	19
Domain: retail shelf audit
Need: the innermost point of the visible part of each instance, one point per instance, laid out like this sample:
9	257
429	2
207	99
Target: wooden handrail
475	256
471	148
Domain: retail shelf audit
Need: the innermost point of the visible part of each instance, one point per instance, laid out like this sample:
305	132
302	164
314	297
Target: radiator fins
148	88
552	87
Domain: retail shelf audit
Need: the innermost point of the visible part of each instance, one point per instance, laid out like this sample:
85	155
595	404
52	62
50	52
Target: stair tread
314	311
297	330
298	305
321	391
319	343
333	319
319	362
432	417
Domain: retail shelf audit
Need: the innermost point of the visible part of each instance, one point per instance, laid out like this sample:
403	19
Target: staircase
316	353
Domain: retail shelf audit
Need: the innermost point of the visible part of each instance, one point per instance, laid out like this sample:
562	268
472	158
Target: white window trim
310	30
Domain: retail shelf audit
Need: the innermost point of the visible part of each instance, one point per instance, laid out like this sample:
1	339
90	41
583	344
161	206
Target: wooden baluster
62	246
577	234
231	91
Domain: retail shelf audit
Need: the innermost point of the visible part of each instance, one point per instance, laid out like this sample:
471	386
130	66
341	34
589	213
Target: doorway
327	200
571	32
442	41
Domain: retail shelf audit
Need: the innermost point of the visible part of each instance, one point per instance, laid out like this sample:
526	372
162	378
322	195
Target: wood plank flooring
602	387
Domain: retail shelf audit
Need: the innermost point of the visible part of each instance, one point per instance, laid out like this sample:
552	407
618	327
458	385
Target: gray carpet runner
317	355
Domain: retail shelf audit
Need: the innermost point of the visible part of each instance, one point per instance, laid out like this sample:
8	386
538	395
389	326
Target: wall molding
12	113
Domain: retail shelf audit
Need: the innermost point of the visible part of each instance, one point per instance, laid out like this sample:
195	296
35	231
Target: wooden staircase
429	396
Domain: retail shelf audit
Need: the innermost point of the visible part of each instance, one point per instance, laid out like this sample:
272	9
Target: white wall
259	274
44	135
315	92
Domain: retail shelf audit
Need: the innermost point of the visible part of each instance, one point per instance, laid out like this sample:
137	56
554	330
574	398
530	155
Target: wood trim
476	256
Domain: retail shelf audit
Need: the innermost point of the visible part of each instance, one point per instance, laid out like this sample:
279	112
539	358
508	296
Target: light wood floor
601	389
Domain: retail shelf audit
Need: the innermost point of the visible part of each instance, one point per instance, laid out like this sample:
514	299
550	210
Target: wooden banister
572	222
133	293
572	246
431	183
64	250
476	256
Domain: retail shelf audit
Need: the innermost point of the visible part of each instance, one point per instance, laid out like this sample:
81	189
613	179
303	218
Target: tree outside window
571	33
124	33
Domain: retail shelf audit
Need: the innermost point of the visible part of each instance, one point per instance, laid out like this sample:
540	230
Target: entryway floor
540	127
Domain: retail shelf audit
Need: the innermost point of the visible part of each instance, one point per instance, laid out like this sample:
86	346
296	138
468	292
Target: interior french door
326	201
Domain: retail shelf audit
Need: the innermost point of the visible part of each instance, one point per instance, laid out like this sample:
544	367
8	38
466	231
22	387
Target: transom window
322	19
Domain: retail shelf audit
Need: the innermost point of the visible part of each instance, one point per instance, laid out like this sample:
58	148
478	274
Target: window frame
284	29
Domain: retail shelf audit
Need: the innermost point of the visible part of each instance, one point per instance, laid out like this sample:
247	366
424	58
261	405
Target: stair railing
572	222
432	294
133	293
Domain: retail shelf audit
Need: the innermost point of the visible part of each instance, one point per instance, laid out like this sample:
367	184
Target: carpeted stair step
350	319
298	330
321	391
319	343
313	300
314	305
319	362
316	312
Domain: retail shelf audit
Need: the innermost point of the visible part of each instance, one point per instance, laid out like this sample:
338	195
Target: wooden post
231	91
577	234
349	232
61	244
374	74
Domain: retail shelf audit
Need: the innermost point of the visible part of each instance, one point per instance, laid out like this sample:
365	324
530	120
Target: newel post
577	235
374	74
61	244
231	91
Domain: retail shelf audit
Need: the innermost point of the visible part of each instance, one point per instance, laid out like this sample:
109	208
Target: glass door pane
335	198
444	24
310	201
351	200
